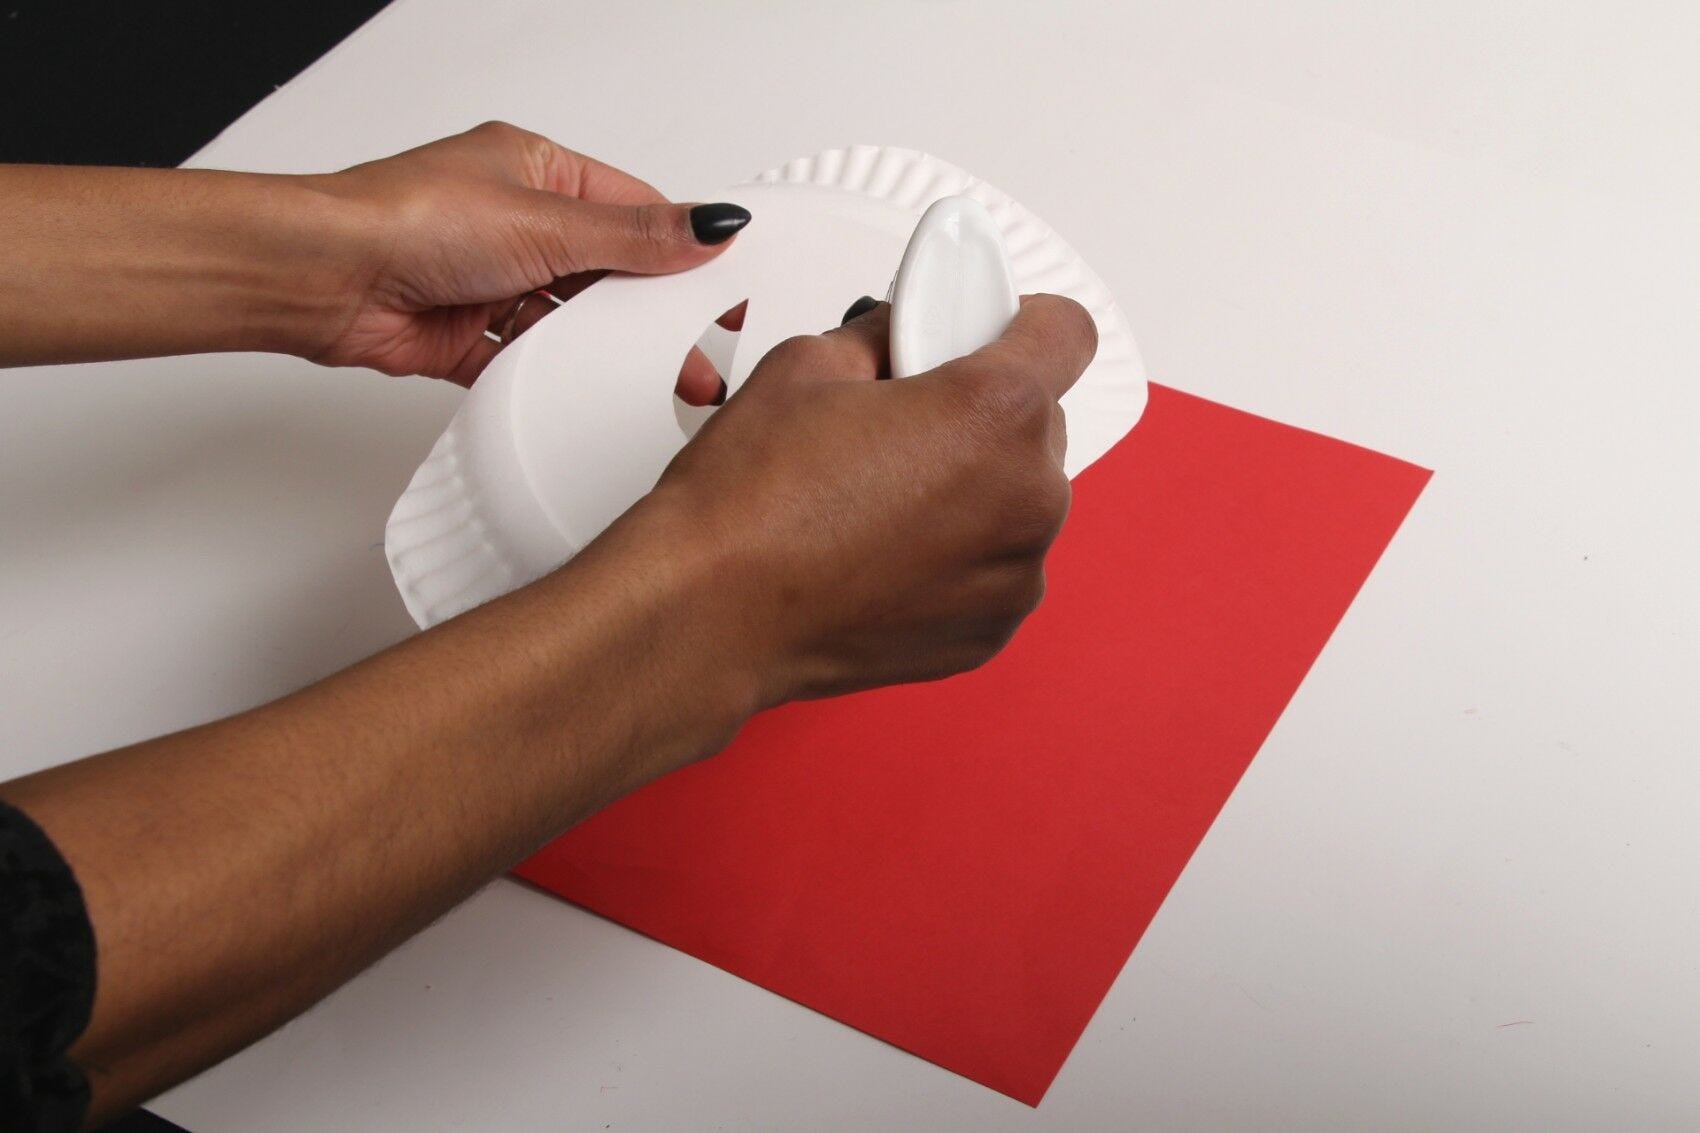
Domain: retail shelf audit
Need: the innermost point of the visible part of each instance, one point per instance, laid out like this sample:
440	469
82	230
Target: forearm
122	263
237	872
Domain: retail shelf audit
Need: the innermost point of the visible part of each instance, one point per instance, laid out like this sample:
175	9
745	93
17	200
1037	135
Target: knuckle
1056	421
981	647
648	225
534	152
1000	401
1063	327
1000	632
1026	403
1029	591
1056	433
1032	517
1080	330
989	646
1056	498
805	352
965	657
568	252
1021	590
1064	314
540	152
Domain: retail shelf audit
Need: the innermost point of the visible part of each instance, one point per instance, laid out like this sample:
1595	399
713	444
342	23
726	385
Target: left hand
456	233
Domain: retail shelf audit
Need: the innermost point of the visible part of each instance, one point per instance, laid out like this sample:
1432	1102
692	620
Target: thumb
649	239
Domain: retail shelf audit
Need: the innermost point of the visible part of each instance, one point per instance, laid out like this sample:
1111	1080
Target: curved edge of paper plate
468	527
439	550
1113	388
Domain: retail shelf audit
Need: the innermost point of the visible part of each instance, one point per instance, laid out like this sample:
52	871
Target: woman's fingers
1047	346
865	339
698	383
499	323
733	320
577	236
857	351
529	310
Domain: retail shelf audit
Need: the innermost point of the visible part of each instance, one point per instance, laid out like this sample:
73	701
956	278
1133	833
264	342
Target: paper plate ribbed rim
1110	396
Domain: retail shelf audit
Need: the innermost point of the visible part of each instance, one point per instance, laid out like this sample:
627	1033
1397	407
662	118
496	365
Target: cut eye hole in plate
702	373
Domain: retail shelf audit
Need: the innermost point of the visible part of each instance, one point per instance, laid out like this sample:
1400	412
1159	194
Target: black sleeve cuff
47	974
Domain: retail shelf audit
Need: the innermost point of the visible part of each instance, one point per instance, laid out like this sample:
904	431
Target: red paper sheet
962	868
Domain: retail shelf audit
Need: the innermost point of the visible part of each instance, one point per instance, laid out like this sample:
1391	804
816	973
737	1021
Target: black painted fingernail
718	223
720	398
859	308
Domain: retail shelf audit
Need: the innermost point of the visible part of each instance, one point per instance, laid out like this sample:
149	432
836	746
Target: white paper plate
574	422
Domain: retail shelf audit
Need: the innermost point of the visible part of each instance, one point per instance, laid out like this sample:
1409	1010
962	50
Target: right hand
877	532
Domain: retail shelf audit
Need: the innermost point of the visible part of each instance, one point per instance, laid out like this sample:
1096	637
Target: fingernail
720	398
718	223
859	308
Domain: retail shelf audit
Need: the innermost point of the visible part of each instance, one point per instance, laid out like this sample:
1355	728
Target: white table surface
1460	886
